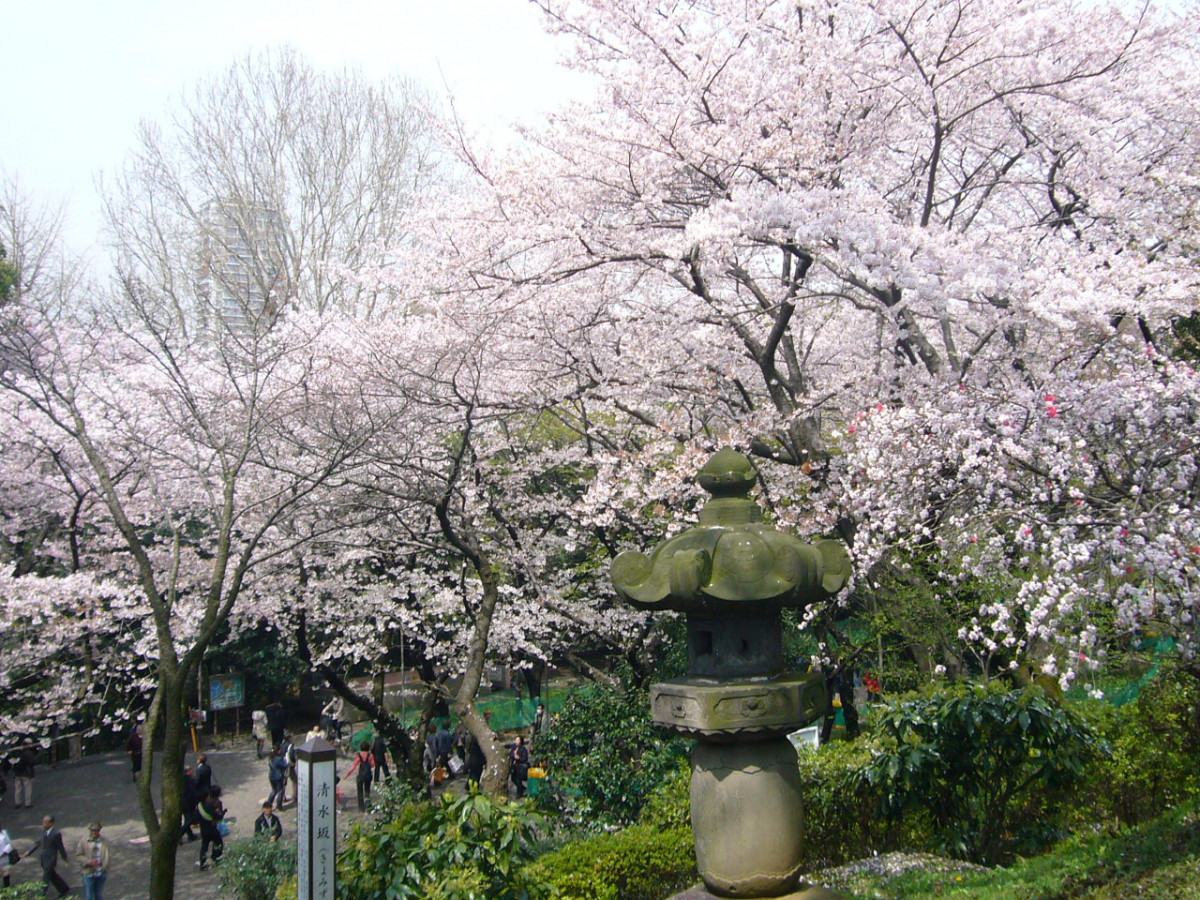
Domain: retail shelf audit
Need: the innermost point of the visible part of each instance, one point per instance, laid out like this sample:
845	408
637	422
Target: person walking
476	761
293	775
519	754
268	825
204	776
443	745
92	854
23	771
8	856
50	847
277	767
134	749
275	722
191	799
363	765
258	728
379	750
209	814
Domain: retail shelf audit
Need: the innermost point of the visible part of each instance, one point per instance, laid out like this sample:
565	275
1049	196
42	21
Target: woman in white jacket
258	728
7	851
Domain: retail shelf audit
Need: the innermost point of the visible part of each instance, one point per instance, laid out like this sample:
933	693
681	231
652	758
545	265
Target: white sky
77	75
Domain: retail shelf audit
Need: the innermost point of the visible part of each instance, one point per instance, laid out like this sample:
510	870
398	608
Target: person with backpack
209	814
277	769
364	765
289	753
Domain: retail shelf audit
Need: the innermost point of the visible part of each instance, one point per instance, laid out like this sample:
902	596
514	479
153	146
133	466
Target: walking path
101	787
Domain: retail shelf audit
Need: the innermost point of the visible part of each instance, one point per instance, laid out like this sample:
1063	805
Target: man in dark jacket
191	797
379	750
476	761
204	777
134	749
50	847
209	814
268	824
275	722
277	769
443	744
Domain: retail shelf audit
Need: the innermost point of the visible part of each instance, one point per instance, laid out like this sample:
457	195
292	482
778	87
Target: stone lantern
732	575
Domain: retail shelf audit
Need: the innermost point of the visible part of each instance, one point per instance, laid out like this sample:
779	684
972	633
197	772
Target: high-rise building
243	276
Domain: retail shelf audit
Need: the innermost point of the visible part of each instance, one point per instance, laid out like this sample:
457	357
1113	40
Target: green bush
254	869
27	890
642	862
456	848
670	805
1155	742
842	820
841	811
605	756
389	798
987	763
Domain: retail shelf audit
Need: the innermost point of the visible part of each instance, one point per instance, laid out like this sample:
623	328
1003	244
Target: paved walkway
101	787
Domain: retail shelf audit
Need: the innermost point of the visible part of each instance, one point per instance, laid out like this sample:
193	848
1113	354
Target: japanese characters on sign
316	820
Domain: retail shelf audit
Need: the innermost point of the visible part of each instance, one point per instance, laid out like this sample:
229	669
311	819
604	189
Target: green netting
363	734
1119	695
511	713
508	713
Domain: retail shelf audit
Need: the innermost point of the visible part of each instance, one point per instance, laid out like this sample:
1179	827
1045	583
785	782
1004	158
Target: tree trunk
495	772
167	717
391	727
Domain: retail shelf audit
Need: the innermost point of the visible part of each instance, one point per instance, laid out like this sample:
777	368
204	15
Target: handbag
223	828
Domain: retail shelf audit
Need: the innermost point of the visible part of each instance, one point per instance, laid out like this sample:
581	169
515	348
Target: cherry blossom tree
193	460
176	434
778	217
469	553
1079	504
